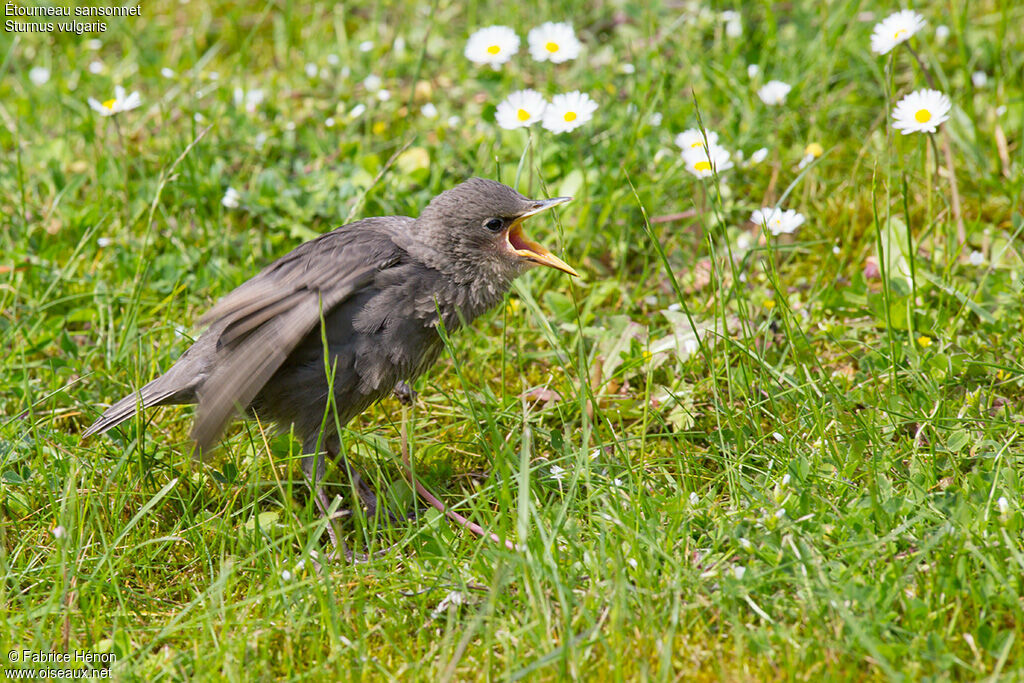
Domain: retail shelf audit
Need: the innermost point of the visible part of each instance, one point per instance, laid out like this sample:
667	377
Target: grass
813	489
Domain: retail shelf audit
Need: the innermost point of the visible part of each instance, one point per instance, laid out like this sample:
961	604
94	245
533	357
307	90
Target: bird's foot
405	394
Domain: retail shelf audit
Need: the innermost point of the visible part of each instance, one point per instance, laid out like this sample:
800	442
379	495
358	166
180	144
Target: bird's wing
259	324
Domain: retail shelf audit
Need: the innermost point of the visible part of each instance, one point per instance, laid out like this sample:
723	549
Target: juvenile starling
355	310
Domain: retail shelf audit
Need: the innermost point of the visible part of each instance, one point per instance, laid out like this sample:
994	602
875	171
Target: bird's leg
313	467
405	394
434	501
366	494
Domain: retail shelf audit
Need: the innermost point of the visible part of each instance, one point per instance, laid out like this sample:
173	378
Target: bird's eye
495	224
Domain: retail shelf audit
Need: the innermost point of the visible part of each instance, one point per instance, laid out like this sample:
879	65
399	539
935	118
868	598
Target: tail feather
161	391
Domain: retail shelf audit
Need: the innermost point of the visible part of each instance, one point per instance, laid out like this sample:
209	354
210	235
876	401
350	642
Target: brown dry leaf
541	394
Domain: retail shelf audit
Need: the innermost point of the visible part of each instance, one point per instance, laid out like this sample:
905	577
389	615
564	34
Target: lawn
740	446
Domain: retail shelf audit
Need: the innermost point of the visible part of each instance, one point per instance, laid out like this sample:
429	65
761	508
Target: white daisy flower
655	119
259	141
895	29
739	571
333	59
372	83
979	79
520	109
366	46
231	199
693	138
554	42
399	45
568	111
59	532
941	33
733	23
198	117
627	68
95	66
383	95
453	121
694	499
312	71
39	75
1002	504
774	92
249	99
103	242
429	110
329	122
921	112
777	221
977	258
758	156
705	163
167	72
117	104
753	70
557	473
286	575
94	44
493	45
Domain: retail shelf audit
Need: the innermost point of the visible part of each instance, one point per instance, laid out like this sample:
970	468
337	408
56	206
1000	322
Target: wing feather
259	324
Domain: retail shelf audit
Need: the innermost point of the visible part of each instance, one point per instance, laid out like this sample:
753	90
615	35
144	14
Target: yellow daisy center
696	144
923	116
702	166
522	115
814	149
570	116
109	104
551	46
896	36
494	49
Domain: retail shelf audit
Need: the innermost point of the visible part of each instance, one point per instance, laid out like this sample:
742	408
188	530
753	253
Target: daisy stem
124	166
947	150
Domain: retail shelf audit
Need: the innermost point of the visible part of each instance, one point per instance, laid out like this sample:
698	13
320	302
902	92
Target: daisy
95	66
551	42
520	109
921	112
774	92
705	163
778	221
493	45
979	79
941	33
429	110
372	83
167	72
753	70
693	138
39	75
758	156
119	103
231	199
733	23
250	99
895	29
568	111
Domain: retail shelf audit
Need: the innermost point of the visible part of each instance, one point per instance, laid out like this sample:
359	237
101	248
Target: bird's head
475	230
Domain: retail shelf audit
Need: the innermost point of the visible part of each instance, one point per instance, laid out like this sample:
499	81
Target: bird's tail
163	390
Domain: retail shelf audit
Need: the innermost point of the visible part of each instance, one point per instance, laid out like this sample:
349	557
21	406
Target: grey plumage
377	285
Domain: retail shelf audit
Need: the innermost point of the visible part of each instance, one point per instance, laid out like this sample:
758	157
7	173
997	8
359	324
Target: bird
344	320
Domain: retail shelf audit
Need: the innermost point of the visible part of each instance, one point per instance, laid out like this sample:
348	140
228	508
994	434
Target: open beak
527	248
